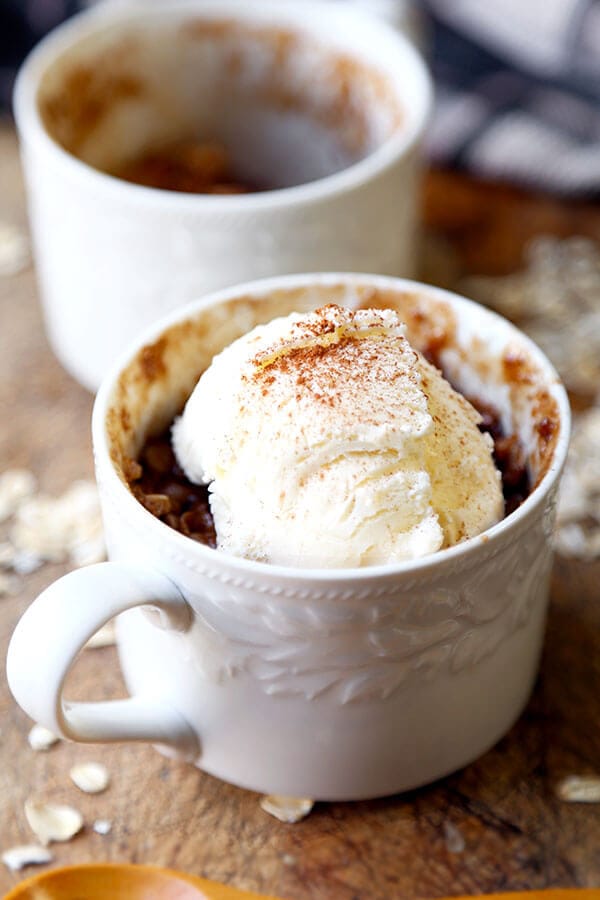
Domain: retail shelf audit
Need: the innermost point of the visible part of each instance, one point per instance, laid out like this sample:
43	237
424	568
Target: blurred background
518	84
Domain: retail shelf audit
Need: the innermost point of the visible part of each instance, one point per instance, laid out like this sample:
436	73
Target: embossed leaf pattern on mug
352	652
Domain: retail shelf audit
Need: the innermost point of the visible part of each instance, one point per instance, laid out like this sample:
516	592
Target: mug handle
56	627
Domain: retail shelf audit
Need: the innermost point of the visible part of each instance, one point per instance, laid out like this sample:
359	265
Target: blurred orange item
132	882
546	894
123	882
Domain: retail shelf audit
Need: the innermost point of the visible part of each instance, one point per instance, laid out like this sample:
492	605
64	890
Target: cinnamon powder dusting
316	369
321	362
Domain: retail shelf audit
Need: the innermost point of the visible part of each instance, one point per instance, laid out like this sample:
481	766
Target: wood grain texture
517	834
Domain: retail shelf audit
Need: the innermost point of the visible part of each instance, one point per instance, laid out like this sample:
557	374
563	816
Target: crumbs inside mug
497	374
199	104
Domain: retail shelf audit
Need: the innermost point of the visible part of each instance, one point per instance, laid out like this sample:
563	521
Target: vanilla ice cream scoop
328	441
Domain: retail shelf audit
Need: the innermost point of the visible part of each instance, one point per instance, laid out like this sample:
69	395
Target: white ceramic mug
322	101
331	684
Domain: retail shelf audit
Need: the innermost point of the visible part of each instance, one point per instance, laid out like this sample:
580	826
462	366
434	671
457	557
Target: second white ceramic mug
309	78
330	684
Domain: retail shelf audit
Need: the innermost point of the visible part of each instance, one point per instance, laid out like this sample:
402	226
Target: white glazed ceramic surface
112	257
330	684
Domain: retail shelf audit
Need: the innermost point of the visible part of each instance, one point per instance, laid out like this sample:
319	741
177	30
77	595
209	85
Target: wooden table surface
517	834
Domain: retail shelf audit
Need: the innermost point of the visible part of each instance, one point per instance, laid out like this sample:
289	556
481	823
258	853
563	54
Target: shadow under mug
329	684
321	101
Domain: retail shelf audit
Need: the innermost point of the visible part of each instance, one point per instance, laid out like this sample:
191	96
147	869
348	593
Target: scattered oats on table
578	514
41	738
556	300
55	528
16	858
7	555
49	529
9	585
287	809
52	821
91	777
24	563
455	842
14	249
579	789
16	485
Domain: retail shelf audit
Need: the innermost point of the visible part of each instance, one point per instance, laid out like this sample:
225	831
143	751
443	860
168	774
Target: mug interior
289	106
482	355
